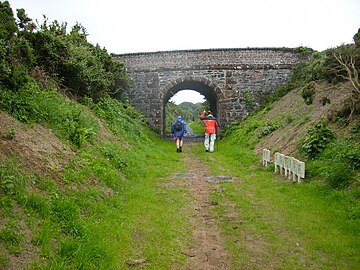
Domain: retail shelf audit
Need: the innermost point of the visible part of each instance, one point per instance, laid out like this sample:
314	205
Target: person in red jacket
211	126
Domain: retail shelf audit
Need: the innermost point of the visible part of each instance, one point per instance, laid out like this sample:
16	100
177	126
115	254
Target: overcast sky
128	26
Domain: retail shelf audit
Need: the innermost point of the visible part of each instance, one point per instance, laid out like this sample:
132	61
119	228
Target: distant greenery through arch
189	111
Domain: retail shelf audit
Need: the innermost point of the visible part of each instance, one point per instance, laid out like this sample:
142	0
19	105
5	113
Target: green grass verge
106	225
110	210
197	127
271	223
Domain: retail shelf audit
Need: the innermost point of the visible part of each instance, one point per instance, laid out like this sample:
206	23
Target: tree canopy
48	53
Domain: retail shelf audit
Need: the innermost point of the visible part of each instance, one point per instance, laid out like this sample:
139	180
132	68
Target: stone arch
156	76
202	85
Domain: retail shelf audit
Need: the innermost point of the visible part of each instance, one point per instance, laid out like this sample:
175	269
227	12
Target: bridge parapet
241	58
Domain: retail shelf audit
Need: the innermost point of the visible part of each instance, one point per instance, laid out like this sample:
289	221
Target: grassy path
208	250
259	220
170	212
269	223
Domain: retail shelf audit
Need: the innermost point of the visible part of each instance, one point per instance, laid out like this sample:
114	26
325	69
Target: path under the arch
208	249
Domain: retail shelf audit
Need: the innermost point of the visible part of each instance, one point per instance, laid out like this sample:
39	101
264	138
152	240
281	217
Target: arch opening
187	95
210	102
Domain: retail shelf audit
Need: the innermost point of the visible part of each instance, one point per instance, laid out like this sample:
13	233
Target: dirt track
208	251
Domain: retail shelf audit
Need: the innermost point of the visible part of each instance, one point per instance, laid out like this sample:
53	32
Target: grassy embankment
271	223
108	209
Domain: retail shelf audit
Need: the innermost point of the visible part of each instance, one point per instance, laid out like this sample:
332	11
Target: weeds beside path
259	220
178	211
270	223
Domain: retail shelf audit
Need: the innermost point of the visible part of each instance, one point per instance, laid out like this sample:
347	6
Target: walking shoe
177	150
206	150
180	149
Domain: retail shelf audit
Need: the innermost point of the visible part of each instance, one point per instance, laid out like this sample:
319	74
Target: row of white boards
291	167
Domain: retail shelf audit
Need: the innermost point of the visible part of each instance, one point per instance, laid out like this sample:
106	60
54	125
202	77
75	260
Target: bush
356	38
338	175
122	119
338	163
5	69
317	138
345	150
11	181
249	101
7	22
332	70
308	92
268	128
79	67
302	74
30	104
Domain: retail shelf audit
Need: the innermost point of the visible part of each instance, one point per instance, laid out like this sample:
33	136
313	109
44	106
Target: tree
357	38
8	25
348	59
25	22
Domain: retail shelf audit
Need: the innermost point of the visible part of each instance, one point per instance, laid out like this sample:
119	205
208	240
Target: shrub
5	69
7	22
268	128
334	68
19	103
317	138
122	119
303	50
308	92
325	100
338	163
346	150
10	134
78	128
11	181
337	175
249	101
356	38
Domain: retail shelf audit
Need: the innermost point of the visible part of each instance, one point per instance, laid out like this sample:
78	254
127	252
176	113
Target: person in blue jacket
179	130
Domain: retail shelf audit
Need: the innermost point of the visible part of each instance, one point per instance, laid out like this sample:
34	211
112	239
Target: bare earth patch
208	250
35	147
292	108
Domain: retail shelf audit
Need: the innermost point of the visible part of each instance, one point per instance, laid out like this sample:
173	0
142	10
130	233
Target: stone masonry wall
239	79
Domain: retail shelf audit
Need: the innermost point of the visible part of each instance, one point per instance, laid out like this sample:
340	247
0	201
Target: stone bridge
234	81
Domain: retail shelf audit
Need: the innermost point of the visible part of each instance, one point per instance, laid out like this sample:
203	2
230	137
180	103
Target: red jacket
211	124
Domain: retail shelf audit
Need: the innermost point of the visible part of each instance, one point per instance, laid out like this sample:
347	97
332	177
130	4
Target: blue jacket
181	132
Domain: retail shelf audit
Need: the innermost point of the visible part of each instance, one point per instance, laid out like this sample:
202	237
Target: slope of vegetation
269	222
101	208
315	118
78	182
